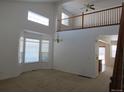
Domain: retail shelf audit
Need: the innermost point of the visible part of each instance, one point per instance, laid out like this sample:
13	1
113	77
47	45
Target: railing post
60	25
82	20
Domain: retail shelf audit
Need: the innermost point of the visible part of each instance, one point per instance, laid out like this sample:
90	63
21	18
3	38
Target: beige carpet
53	80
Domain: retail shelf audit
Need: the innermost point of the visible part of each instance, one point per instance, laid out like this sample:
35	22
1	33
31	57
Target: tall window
66	21
45	50
114	47
38	18
31	50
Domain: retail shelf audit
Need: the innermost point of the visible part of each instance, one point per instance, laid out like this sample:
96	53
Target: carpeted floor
53	80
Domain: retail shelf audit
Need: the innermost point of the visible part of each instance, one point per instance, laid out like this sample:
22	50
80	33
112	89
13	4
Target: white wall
76	53
13	21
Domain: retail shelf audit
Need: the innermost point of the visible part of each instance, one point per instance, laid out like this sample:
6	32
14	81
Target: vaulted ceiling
75	6
35	0
38	1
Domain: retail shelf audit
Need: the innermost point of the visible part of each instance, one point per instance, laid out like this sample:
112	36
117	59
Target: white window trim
48	49
40	57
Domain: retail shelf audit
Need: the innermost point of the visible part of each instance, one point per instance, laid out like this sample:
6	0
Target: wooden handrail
117	83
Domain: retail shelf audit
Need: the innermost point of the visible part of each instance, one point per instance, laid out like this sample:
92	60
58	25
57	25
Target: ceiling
39	1
109	38
113	37
35	0
75	6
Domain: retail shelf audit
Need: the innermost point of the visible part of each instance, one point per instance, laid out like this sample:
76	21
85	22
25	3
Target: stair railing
117	80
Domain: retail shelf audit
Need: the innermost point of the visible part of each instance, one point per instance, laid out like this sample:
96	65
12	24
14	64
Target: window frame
21	44
40	19
40	53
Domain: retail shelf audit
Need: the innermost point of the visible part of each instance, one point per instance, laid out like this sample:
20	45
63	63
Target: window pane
114	47
21	41
45	50
38	18
66	21
32	50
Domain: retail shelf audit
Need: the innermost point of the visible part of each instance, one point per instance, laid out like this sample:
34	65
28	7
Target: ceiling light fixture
88	7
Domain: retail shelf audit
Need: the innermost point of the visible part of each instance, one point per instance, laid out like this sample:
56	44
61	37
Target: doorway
101	58
105	53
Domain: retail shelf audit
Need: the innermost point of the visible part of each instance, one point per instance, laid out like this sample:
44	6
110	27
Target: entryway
106	50
101	58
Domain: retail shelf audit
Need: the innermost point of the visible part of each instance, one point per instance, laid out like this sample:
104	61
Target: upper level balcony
106	17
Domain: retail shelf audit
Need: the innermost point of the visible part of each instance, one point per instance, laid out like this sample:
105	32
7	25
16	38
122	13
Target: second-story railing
106	17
